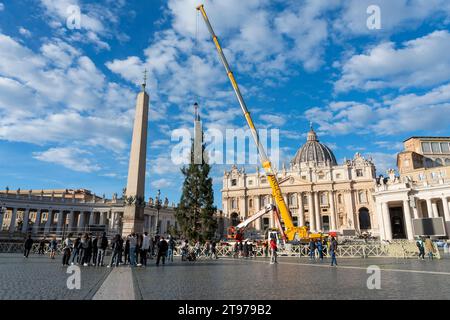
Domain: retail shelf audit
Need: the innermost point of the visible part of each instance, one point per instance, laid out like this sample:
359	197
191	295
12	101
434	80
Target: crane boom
291	230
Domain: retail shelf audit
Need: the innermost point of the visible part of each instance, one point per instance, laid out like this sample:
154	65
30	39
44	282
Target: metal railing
394	250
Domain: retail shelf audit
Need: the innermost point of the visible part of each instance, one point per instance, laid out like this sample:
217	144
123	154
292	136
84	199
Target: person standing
76	250
137	250
53	247
42	246
421	248
171	249
320	249
236	250
102	247
84	244
245	249
27	246
333	249
429	247
127	250
162	251
95	244
133	243
144	249
213	250
67	247
312	249
273	251
116	248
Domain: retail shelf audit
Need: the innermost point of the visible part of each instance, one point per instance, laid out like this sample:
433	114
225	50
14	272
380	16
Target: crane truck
291	232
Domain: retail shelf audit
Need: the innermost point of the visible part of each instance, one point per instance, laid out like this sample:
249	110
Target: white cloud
2	6
69	157
162	183
405	114
383	161
25	32
273	120
423	62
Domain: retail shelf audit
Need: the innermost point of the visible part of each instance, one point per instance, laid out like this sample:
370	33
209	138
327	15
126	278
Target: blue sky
67	96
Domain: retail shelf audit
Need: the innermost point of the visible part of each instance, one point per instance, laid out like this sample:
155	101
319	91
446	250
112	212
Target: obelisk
133	219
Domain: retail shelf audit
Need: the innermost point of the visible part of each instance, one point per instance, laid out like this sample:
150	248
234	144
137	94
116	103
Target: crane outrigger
291	231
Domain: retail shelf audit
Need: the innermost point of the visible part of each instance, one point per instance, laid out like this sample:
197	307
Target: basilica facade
320	193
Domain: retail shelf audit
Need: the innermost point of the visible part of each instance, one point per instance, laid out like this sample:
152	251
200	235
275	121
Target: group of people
244	250
318	248
425	246
209	249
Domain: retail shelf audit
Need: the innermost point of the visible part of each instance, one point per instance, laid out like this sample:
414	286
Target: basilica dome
314	152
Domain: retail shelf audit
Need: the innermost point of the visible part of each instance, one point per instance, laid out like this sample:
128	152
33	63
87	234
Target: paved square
293	278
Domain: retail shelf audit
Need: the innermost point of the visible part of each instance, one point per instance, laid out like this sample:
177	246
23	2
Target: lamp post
158	207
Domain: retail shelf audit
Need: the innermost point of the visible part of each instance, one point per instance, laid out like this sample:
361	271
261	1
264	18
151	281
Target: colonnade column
1	218
61	221
408	220
332	211
103	218
81	220
415	209
49	221
26	217
317	211
91	218
12	225
37	222
312	218
387	221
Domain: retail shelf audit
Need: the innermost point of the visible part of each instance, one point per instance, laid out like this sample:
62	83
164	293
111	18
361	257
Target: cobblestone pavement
38	277
293	278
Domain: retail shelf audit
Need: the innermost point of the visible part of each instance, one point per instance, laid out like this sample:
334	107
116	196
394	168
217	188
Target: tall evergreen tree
195	212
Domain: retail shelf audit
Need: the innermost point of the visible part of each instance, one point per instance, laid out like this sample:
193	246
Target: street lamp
158	207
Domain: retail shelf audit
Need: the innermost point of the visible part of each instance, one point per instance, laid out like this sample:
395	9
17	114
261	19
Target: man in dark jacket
102	245
333	249
27	246
162	251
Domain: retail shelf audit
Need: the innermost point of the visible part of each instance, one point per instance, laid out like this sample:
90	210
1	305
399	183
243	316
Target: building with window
420	196
319	192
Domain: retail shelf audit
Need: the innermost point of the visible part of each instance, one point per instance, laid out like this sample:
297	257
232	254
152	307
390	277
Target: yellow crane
290	230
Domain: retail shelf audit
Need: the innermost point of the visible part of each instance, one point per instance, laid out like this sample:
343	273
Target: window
421	176
340	198
233	182
359	173
305	200
445	147
447	162
250	182
263	180
435	147
292	199
233	204
321	176
263	201
439	162
250	203
338	175
295	221
428	163
426	148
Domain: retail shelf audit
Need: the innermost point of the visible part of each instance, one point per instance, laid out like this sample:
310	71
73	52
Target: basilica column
26	217
301	214
387	221
37	222
408	221
332	211
1	219
312	218
435	210
445	204
103	218
381	228
350	209
12	225
415	209
429	208
317	211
